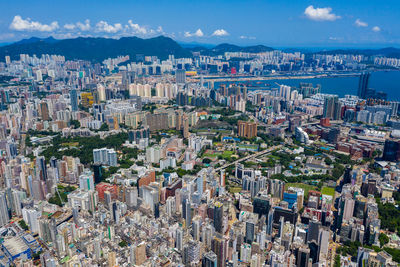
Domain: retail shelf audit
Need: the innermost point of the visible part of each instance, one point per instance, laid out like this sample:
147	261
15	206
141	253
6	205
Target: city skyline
258	133
272	23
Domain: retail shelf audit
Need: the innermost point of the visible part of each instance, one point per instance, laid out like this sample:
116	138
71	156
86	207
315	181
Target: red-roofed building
102	187
148	178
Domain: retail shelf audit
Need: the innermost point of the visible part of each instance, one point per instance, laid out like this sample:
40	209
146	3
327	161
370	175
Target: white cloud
220	32
69	26
20	24
376	29
78	28
79	25
67	35
198	33
360	23
332	38
320	14
247	37
84	26
103	26
136	28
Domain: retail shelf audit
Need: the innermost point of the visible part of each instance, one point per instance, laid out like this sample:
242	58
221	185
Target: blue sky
277	23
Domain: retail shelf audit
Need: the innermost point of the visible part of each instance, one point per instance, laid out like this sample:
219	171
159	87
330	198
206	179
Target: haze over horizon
272	23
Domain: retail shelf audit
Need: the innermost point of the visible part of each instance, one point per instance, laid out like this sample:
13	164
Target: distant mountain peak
96	49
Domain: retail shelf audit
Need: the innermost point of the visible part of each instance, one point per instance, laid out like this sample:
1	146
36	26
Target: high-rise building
187	212
157	121
140	255
179	239
303	257
44	111
87	99
247	129
261	205
323	243
191	252
97	172
284	91
74	100
105	156
218	217
180	76
307	89
4	216
313	231
332	107
294	121
363	85
86	181
185	126
39	76
41	168
209	260
136	135
301	135
101	90
250	231
219	246
391	150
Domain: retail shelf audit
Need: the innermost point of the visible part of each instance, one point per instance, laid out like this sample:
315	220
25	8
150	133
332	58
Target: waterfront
386	81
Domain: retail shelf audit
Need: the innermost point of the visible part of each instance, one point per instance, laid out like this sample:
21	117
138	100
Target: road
248	157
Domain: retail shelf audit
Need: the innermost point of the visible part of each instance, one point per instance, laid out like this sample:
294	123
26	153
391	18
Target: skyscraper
391	150
313	231
97	172
179	239
250	228
105	156
44	111
187	212
74	100
41	168
303	256
332	107
247	129
191	252
219	245
102	92
185	126
4	218
284	91
363	85
209	260
180	76
218	216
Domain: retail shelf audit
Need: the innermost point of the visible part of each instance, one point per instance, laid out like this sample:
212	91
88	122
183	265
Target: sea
385	81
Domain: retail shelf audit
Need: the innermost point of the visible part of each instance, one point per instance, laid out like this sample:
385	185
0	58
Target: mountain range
98	49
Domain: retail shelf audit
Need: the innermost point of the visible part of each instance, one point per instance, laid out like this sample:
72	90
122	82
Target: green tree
383	239
104	127
75	123
123	243
328	161
337	261
23	225
206	161
394	252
